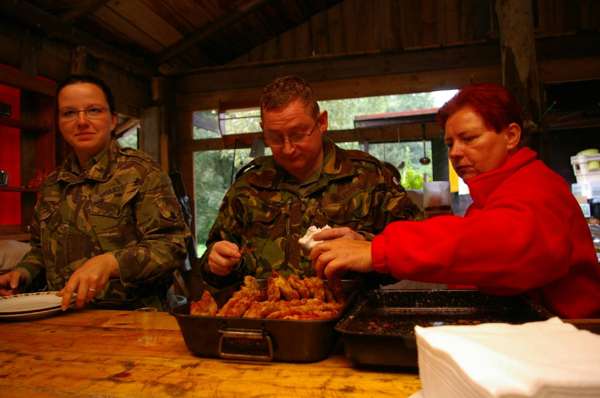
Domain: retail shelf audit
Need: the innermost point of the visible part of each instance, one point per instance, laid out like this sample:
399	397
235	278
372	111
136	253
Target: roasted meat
278	287
284	298
205	306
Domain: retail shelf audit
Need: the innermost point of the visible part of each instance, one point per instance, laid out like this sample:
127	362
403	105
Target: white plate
25	316
24	303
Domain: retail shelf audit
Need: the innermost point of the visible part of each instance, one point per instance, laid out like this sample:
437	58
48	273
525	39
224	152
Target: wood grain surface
99	353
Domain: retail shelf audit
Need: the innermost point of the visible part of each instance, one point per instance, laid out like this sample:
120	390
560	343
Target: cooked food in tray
283	298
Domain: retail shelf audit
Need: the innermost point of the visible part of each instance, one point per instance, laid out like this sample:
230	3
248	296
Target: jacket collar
98	167
484	185
336	165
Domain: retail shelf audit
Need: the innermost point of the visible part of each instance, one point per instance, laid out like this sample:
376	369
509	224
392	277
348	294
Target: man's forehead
290	114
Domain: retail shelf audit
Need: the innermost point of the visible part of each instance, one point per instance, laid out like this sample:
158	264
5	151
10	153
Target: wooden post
154	139
79	61
151	123
439	155
519	64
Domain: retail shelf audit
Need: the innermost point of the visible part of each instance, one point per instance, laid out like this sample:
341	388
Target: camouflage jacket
266	211
123	204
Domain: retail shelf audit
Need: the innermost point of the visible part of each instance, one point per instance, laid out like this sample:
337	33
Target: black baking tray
250	339
379	330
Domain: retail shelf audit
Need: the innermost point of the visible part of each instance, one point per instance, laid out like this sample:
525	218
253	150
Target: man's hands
223	257
10	281
89	279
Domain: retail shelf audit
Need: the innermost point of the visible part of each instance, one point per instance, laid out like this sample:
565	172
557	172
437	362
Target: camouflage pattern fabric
266	211
123	204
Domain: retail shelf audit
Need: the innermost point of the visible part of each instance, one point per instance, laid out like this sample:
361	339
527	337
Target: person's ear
113	122
513	136
323	122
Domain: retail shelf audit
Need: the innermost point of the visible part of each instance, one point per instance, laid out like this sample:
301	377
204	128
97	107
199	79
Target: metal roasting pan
379	329
250	339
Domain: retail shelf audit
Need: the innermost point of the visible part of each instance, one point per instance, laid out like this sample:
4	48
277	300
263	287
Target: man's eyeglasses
94	112
293	138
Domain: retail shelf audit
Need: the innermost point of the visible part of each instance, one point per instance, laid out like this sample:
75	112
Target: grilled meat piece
278	282
298	284
206	306
284	298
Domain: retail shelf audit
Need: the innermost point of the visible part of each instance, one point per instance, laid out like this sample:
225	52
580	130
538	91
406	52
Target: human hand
336	233
10	281
334	257
88	279
223	257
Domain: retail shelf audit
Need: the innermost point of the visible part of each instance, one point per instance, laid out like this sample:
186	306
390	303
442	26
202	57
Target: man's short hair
285	90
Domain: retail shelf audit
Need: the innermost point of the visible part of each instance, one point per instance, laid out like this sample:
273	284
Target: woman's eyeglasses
94	112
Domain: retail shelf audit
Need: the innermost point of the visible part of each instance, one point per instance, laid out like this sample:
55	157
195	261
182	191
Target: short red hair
495	104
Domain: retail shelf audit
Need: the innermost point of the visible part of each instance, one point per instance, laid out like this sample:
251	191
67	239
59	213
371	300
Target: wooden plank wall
358	27
344	52
52	59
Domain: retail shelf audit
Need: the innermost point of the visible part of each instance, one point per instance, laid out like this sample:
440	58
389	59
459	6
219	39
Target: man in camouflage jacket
308	181
123	204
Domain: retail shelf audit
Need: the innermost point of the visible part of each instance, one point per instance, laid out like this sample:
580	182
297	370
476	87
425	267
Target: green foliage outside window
129	139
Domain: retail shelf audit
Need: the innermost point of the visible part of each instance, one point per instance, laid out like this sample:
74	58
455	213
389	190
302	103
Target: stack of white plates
26	306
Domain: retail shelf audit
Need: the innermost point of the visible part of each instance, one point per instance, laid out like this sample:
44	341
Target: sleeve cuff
378	254
32	272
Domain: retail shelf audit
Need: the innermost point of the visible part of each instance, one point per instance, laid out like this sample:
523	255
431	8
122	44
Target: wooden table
98	353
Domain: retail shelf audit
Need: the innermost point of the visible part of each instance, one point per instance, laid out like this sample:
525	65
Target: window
212	124
129	139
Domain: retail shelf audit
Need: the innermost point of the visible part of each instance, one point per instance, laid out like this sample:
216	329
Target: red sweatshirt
524	232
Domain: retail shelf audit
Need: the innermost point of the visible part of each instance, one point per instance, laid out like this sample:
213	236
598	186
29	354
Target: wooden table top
100	353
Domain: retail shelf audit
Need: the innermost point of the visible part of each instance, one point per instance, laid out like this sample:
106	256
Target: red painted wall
10	159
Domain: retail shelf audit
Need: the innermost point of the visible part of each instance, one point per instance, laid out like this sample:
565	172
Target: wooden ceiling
171	35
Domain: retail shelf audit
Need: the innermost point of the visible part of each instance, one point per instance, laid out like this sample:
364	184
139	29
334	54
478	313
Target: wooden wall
360	48
358	27
37	54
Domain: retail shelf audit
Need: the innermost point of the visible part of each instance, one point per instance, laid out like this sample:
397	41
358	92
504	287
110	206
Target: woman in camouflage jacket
107	227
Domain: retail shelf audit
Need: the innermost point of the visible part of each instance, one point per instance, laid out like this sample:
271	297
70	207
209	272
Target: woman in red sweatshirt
524	232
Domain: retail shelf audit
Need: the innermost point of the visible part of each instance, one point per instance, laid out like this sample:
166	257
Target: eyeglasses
93	112
293	138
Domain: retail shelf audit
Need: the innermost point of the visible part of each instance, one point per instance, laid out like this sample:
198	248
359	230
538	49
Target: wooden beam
402	132
210	29
16	78
350	88
151	128
338	67
559	69
250	79
78	12
35	18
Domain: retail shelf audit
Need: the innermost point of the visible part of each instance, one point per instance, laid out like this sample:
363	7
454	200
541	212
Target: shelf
14	232
17	189
34	128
